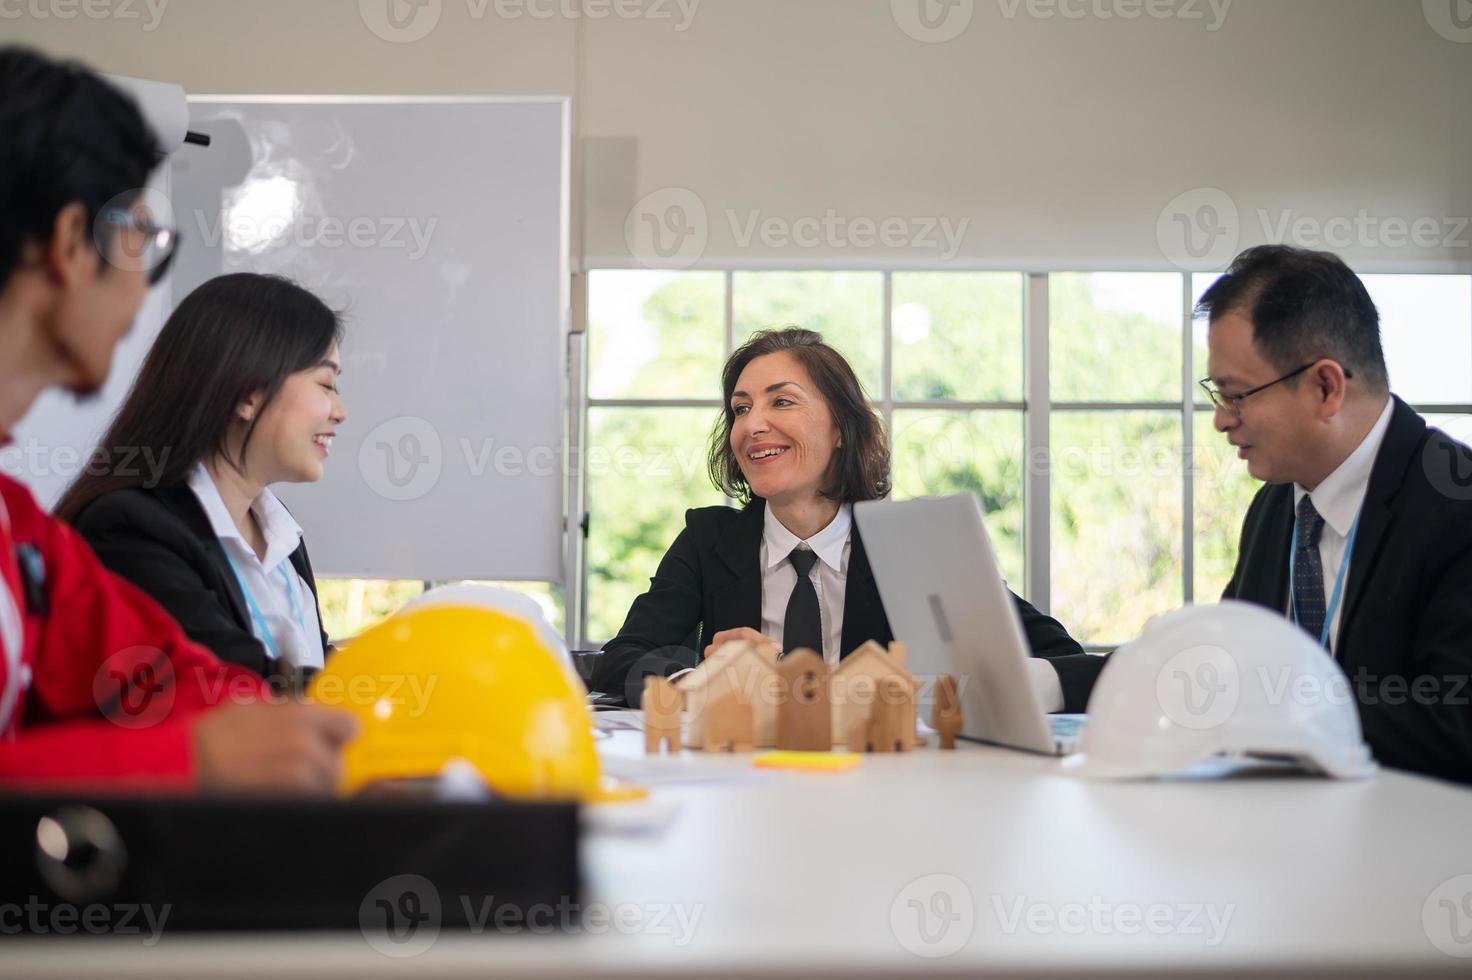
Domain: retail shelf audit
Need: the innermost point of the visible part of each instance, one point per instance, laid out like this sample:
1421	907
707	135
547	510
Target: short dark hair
1303	305
66	136
861	469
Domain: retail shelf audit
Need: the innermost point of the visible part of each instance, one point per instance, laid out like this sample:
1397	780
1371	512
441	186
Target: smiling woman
797	444
238	392
797	430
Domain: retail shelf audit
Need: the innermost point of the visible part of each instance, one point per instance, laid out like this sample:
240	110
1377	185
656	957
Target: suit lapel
303	567
1402	439
863	613
1265	578
739	602
181	500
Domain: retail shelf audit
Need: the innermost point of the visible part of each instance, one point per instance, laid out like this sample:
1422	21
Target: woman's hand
742	634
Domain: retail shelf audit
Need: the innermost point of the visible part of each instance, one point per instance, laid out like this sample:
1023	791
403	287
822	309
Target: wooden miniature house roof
871	659
730	655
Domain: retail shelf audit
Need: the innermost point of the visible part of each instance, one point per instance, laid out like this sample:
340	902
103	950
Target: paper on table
628	719
651	816
622	720
687	768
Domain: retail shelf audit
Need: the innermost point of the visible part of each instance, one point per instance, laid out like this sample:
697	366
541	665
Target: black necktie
803	625
1308	570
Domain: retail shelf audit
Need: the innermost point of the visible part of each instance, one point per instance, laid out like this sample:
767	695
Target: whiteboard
440	228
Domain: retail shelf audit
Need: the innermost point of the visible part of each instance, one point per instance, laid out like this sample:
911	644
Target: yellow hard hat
450	682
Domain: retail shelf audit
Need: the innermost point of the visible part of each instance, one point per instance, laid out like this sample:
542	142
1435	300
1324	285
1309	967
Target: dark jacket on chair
711	580
161	540
1405	633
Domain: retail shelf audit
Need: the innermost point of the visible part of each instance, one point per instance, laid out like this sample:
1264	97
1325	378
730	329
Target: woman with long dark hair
238	392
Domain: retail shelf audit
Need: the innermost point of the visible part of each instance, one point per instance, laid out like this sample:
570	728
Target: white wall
1058	141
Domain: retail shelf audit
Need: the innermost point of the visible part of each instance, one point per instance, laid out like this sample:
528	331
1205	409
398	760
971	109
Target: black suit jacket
1407	605
161	541
710	580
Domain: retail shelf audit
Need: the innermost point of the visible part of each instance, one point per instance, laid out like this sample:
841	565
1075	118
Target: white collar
1338	498
827	544
283	534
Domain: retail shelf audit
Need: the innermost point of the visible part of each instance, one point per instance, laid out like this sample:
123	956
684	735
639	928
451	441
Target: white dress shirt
829	576
277	600
1338	499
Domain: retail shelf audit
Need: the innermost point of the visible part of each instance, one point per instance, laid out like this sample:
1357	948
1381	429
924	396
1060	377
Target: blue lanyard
255	610
1338	579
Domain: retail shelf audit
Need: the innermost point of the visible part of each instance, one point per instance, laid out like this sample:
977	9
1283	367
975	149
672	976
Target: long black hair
233	336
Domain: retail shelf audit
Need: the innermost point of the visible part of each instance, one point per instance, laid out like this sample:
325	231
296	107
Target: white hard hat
498	599
1230	680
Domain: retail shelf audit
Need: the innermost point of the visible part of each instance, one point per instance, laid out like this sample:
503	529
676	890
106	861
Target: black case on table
267	864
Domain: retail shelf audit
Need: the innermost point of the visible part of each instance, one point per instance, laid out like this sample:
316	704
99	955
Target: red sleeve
97	753
115	681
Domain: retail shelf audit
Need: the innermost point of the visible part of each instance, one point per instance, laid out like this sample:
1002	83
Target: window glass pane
1115	336
645	466
1223	489
957	336
548	596
351	605
1426	332
939	452
655	334
1200	283
847	308
1116	521
1459	427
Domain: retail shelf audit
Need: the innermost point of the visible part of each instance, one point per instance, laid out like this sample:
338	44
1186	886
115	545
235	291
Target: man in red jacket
98	685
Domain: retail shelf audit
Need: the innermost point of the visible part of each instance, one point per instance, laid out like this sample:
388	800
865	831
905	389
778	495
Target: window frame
1037	408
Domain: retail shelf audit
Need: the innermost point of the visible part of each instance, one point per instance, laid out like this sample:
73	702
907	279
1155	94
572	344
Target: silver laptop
945	599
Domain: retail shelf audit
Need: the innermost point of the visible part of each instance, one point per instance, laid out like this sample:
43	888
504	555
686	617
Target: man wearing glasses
1363	534
97	684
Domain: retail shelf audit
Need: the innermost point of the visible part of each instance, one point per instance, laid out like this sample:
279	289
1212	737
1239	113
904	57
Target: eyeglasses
153	253
1233	403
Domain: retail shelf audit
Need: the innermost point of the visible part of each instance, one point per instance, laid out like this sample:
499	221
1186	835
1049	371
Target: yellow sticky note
808	761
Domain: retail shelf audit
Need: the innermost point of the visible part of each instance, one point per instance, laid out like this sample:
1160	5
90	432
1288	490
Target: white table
813	875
